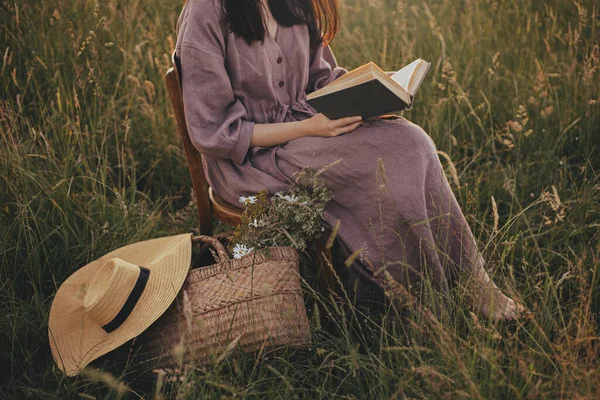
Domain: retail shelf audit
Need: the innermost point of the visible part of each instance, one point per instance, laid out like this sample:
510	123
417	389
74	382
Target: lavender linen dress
407	221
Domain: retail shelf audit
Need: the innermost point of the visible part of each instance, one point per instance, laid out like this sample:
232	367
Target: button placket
279	64
280	70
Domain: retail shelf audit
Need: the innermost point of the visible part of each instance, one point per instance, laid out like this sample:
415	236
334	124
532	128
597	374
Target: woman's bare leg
487	298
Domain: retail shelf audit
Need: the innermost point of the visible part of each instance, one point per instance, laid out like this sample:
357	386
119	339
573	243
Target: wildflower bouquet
290	218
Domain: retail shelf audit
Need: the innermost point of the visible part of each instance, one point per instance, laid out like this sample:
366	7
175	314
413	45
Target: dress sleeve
216	119
323	69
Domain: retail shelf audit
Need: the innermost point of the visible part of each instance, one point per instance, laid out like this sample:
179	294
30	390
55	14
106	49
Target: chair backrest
194	158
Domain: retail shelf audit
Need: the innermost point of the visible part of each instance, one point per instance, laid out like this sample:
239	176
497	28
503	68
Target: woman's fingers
320	125
347	128
340	122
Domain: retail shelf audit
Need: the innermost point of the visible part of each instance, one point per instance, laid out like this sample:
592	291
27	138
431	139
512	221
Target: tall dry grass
89	160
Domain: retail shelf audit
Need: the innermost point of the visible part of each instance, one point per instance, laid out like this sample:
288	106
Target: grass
89	160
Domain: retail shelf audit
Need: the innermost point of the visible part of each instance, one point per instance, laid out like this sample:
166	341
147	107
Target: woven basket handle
215	243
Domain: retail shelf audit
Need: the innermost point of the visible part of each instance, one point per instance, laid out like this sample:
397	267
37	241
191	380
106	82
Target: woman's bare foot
489	300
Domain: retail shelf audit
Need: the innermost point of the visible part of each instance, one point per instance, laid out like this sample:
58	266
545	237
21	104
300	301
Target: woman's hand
321	126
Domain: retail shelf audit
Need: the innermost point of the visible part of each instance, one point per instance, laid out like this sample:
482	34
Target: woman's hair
321	16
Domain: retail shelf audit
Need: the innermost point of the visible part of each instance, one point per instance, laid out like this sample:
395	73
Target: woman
246	68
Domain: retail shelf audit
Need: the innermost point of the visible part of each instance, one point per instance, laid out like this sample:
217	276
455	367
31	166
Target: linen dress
391	196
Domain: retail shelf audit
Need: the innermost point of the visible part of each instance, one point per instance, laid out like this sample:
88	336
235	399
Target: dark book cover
369	99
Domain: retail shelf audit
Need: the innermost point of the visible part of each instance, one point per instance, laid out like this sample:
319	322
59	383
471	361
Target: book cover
368	99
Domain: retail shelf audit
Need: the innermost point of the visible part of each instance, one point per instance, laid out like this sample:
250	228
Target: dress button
279	60
281	83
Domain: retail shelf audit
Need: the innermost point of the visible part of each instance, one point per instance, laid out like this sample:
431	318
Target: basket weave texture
253	302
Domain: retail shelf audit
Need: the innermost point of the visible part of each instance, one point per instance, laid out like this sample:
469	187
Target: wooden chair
209	203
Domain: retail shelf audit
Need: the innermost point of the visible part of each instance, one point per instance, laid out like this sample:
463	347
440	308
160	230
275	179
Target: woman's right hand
320	125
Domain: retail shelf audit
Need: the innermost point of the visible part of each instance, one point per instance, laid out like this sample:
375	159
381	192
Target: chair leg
324	264
206	226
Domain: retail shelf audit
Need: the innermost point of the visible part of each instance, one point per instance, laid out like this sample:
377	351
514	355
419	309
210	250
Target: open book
368	91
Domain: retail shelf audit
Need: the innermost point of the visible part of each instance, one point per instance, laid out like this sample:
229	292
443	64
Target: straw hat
115	298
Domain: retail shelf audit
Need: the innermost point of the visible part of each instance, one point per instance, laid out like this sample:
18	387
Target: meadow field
90	160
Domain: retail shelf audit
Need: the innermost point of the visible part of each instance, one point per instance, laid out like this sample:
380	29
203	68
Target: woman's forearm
267	135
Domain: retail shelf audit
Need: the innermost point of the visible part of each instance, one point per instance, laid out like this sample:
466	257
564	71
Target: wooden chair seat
209	203
224	211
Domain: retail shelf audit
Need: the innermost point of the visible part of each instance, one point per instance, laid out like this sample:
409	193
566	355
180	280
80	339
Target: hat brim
76	340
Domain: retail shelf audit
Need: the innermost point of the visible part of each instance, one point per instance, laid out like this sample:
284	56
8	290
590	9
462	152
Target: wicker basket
250	303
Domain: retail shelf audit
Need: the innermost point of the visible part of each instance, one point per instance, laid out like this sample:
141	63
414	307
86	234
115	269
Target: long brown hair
322	17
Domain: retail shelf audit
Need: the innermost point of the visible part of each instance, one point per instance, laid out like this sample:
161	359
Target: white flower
255	223
247	200
288	197
240	250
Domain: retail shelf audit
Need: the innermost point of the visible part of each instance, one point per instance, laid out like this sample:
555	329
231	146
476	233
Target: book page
402	77
418	77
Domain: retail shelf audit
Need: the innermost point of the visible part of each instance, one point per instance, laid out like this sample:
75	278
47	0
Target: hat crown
108	291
